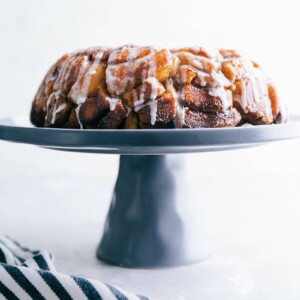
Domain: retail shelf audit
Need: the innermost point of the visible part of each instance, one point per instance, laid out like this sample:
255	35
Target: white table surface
251	206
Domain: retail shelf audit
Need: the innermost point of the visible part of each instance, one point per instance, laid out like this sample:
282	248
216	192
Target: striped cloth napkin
27	274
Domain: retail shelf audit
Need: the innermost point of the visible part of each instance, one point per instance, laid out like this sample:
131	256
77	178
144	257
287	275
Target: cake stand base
154	218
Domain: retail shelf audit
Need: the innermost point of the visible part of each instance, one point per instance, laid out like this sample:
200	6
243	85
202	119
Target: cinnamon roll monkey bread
135	87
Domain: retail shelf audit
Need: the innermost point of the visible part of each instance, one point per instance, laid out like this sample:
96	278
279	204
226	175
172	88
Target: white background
250	198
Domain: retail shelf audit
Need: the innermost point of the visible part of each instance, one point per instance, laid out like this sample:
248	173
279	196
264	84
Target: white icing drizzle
152	102
225	96
115	85
65	72
154	87
247	125
152	68
77	110
129	110
133	53
194	61
50	98
218	84
179	120
218	89
263	91
49	102
139	101
183	74
243	100
198	61
121	77
112	102
202	75
80	88
56	110
153	110
214	80
219	79
212	53
258	81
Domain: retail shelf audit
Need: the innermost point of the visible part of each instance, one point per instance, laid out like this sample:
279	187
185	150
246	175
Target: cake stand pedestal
154	219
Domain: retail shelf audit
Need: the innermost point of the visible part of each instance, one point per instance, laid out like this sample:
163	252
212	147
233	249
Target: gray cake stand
154	219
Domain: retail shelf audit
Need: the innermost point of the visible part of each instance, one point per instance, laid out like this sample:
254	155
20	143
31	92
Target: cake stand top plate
147	141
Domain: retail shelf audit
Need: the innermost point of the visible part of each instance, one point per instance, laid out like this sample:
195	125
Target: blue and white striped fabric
27	274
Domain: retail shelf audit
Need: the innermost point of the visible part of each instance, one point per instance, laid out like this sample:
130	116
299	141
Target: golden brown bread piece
229	118
199	99
135	87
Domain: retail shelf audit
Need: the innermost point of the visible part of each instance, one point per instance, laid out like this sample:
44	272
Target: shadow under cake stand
154	217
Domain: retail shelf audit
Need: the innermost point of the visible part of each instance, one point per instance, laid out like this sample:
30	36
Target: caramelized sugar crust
151	87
